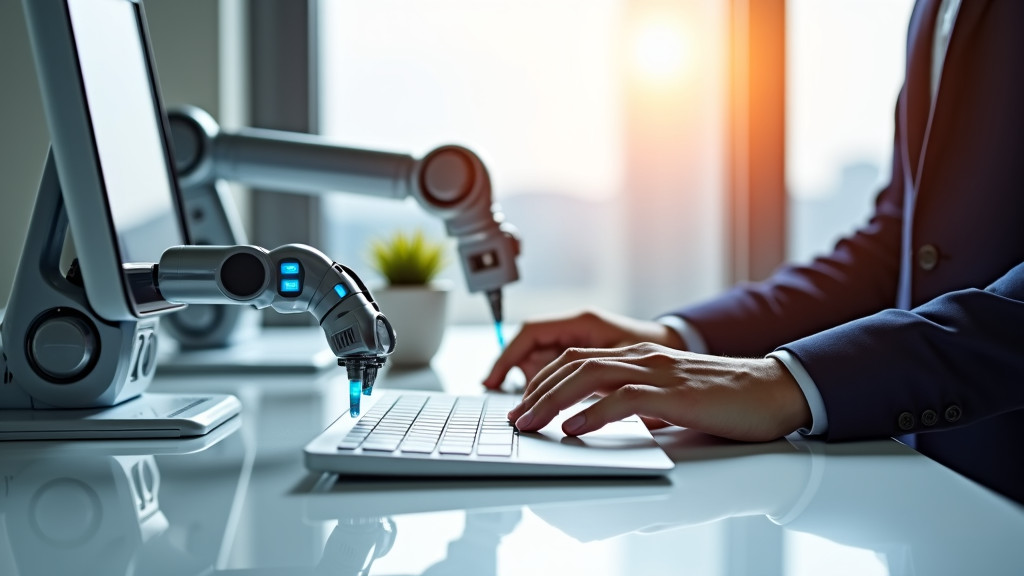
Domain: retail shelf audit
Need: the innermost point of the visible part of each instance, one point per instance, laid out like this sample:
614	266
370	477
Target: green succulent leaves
407	259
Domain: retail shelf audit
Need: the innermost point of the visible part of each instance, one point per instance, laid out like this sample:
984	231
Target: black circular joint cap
62	346
242	275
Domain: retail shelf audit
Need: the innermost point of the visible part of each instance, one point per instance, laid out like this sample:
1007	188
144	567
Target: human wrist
689	337
667	336
789	403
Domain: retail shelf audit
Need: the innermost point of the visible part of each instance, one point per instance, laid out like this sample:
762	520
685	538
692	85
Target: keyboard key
494	450
418	447
392	427
424	436
496	439
462	448
385	436
381	444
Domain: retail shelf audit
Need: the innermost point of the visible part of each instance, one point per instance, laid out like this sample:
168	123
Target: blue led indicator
289	268
340	290
289	285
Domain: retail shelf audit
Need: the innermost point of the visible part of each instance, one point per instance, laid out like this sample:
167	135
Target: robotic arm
290	279
450	182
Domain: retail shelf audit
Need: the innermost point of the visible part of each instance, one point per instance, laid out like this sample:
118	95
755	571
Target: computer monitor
78	347
110	143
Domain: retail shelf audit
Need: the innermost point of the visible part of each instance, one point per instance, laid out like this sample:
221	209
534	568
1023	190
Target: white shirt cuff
819	418
691	337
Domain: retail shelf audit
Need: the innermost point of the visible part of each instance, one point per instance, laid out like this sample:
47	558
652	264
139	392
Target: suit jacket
915	323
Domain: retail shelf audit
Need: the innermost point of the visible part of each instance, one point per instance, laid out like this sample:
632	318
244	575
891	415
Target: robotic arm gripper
290	279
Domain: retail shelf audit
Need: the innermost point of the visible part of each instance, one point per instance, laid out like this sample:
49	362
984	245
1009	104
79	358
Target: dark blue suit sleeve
858	278
960	356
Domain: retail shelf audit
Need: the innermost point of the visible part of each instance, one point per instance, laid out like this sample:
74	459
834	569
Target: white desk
240	502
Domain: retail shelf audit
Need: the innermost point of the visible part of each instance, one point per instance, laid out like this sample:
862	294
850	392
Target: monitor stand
66	373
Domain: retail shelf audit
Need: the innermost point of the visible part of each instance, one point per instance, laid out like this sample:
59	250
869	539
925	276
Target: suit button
953	413
929	417
906	421
927	257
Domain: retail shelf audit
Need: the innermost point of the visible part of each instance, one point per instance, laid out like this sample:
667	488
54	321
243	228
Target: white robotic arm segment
453	183
290	279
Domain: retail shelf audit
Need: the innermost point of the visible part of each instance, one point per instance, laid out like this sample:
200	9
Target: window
845	62
600	122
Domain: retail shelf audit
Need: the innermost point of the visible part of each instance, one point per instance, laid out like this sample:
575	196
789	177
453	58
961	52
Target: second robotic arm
450	182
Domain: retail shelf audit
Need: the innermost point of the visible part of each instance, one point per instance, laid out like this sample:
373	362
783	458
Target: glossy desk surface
240	502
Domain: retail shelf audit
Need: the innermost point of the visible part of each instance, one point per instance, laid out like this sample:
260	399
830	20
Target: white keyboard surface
457	425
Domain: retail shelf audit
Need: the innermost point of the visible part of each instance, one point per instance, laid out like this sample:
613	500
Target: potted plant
414	301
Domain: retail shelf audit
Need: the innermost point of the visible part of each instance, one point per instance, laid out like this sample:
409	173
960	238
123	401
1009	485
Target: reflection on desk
95	506
240	502
919	517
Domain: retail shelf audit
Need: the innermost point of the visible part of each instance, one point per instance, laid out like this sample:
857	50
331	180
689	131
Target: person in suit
914	324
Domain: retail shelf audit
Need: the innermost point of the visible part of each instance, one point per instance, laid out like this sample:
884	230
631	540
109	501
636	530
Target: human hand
737	398
540	342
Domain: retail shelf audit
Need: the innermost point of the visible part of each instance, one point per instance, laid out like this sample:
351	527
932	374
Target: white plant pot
419	315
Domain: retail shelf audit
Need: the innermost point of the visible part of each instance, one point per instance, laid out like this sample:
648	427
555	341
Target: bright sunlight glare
659	50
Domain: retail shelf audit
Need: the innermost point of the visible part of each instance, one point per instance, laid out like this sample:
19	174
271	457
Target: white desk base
151	415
